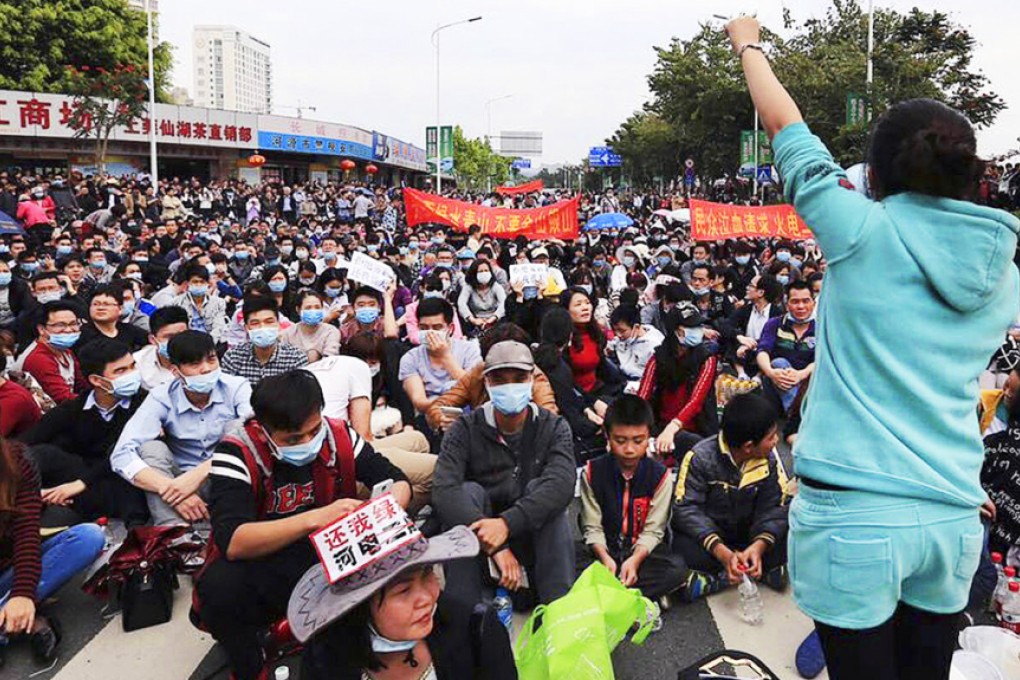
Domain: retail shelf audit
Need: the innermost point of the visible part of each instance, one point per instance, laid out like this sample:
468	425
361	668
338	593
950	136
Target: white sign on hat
370	533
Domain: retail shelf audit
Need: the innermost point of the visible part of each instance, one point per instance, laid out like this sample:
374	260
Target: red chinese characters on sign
716	221
35	112
216	131
244	134
555	221
184	129
166	128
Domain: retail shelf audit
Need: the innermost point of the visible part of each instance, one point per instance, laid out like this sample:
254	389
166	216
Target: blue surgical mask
199	290
783	279
372	248
312	317
241	255
783	256
333	292
5	279
382	645
64	340
628	261
129	309
127	385
510	399
303	454
30	267
50	296
742	259
64	250
433	294
796	261
164	349
273	261
264	337
599	263
484	278
202	384
701	292
404	250
586	287
367	315
693	336
286	250
328	256
98	264
277	286
664	260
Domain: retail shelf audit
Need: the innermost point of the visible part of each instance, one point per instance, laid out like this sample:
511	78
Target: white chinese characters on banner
530	274
370	533
370	272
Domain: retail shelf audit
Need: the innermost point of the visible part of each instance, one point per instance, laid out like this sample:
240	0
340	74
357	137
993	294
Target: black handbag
147	596
728	664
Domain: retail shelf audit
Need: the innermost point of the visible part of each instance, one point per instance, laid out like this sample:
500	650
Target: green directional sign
443	144
856	109
747	151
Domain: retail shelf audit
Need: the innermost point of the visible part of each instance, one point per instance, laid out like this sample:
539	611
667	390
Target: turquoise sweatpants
854	555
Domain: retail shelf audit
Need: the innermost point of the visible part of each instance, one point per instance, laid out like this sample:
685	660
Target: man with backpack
286	473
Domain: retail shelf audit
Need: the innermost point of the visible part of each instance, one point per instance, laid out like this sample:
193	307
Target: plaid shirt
240	361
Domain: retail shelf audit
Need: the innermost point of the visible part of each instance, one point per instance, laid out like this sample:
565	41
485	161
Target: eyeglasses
64	326
104	305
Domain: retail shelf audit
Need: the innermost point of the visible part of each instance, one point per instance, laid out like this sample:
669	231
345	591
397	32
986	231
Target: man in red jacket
51	362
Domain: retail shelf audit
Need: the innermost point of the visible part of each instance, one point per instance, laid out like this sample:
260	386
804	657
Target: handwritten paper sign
359	538
370	272
529	274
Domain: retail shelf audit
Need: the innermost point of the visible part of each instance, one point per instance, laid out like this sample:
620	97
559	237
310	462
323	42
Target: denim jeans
63	556
786	397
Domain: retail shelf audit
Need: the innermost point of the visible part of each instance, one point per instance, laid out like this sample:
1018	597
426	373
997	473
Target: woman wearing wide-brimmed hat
390	620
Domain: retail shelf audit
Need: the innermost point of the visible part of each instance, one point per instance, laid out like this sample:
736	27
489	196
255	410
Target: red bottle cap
997	558
1014	587
102	521
1009	571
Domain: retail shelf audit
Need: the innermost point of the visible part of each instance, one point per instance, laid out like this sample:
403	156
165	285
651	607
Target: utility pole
153	167
439	125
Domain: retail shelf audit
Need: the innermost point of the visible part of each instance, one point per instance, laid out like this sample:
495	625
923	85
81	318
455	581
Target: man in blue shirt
786	350
166	446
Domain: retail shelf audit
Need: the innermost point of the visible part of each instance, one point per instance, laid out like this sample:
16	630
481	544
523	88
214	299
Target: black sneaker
699	585
776	578
45	640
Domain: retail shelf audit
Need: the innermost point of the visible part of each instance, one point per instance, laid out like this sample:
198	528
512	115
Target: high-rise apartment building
232	70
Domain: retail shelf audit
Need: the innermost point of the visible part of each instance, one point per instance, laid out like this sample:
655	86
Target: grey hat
314	603
509	354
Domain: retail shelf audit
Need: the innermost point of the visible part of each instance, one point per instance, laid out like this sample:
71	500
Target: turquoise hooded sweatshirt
918	295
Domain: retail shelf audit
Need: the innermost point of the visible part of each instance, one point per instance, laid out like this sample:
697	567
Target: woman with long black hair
594	374
32	570
678	383
885	534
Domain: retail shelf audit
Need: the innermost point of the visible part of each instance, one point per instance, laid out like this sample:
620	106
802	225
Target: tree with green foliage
105	100
475	164
41	38
699	93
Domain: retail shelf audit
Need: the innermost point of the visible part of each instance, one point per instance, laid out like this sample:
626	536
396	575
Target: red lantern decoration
256	160
371	169
347	165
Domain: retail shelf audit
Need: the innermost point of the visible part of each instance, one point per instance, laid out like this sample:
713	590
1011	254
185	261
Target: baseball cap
509	354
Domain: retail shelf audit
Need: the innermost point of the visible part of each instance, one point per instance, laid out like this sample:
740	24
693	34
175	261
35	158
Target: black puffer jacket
718	501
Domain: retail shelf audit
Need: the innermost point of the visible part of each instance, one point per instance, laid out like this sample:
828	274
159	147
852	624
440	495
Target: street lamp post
439	128
488	135
871	52
154	169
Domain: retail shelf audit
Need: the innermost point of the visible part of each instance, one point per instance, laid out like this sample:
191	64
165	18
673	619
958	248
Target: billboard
518	143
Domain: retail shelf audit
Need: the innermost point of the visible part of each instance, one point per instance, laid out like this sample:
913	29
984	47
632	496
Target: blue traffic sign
522	163
764	174
603	157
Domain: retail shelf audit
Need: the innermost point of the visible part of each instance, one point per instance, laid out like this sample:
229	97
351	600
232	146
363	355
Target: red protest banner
535	185
717	221
555	221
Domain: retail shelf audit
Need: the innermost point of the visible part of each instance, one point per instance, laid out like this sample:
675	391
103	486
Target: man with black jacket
732	500
507	471
71	444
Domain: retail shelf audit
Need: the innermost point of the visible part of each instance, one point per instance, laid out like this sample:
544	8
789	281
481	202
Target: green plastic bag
573	637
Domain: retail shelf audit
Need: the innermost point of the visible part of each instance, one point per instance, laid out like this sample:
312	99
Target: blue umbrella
609	221
9	225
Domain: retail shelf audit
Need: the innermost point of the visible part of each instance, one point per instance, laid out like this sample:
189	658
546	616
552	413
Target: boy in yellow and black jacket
731	502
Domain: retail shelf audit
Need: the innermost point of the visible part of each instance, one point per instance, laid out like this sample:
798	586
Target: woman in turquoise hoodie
885	533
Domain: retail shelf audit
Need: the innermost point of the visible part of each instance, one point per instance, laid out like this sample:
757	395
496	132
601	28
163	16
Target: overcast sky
575	68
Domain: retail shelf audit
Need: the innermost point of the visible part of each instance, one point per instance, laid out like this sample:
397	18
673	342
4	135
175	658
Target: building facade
232	70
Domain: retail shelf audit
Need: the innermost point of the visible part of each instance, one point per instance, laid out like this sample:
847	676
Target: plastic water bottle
1000	577
1011	608
504	609
1002	589
752	609
281	673
104	524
